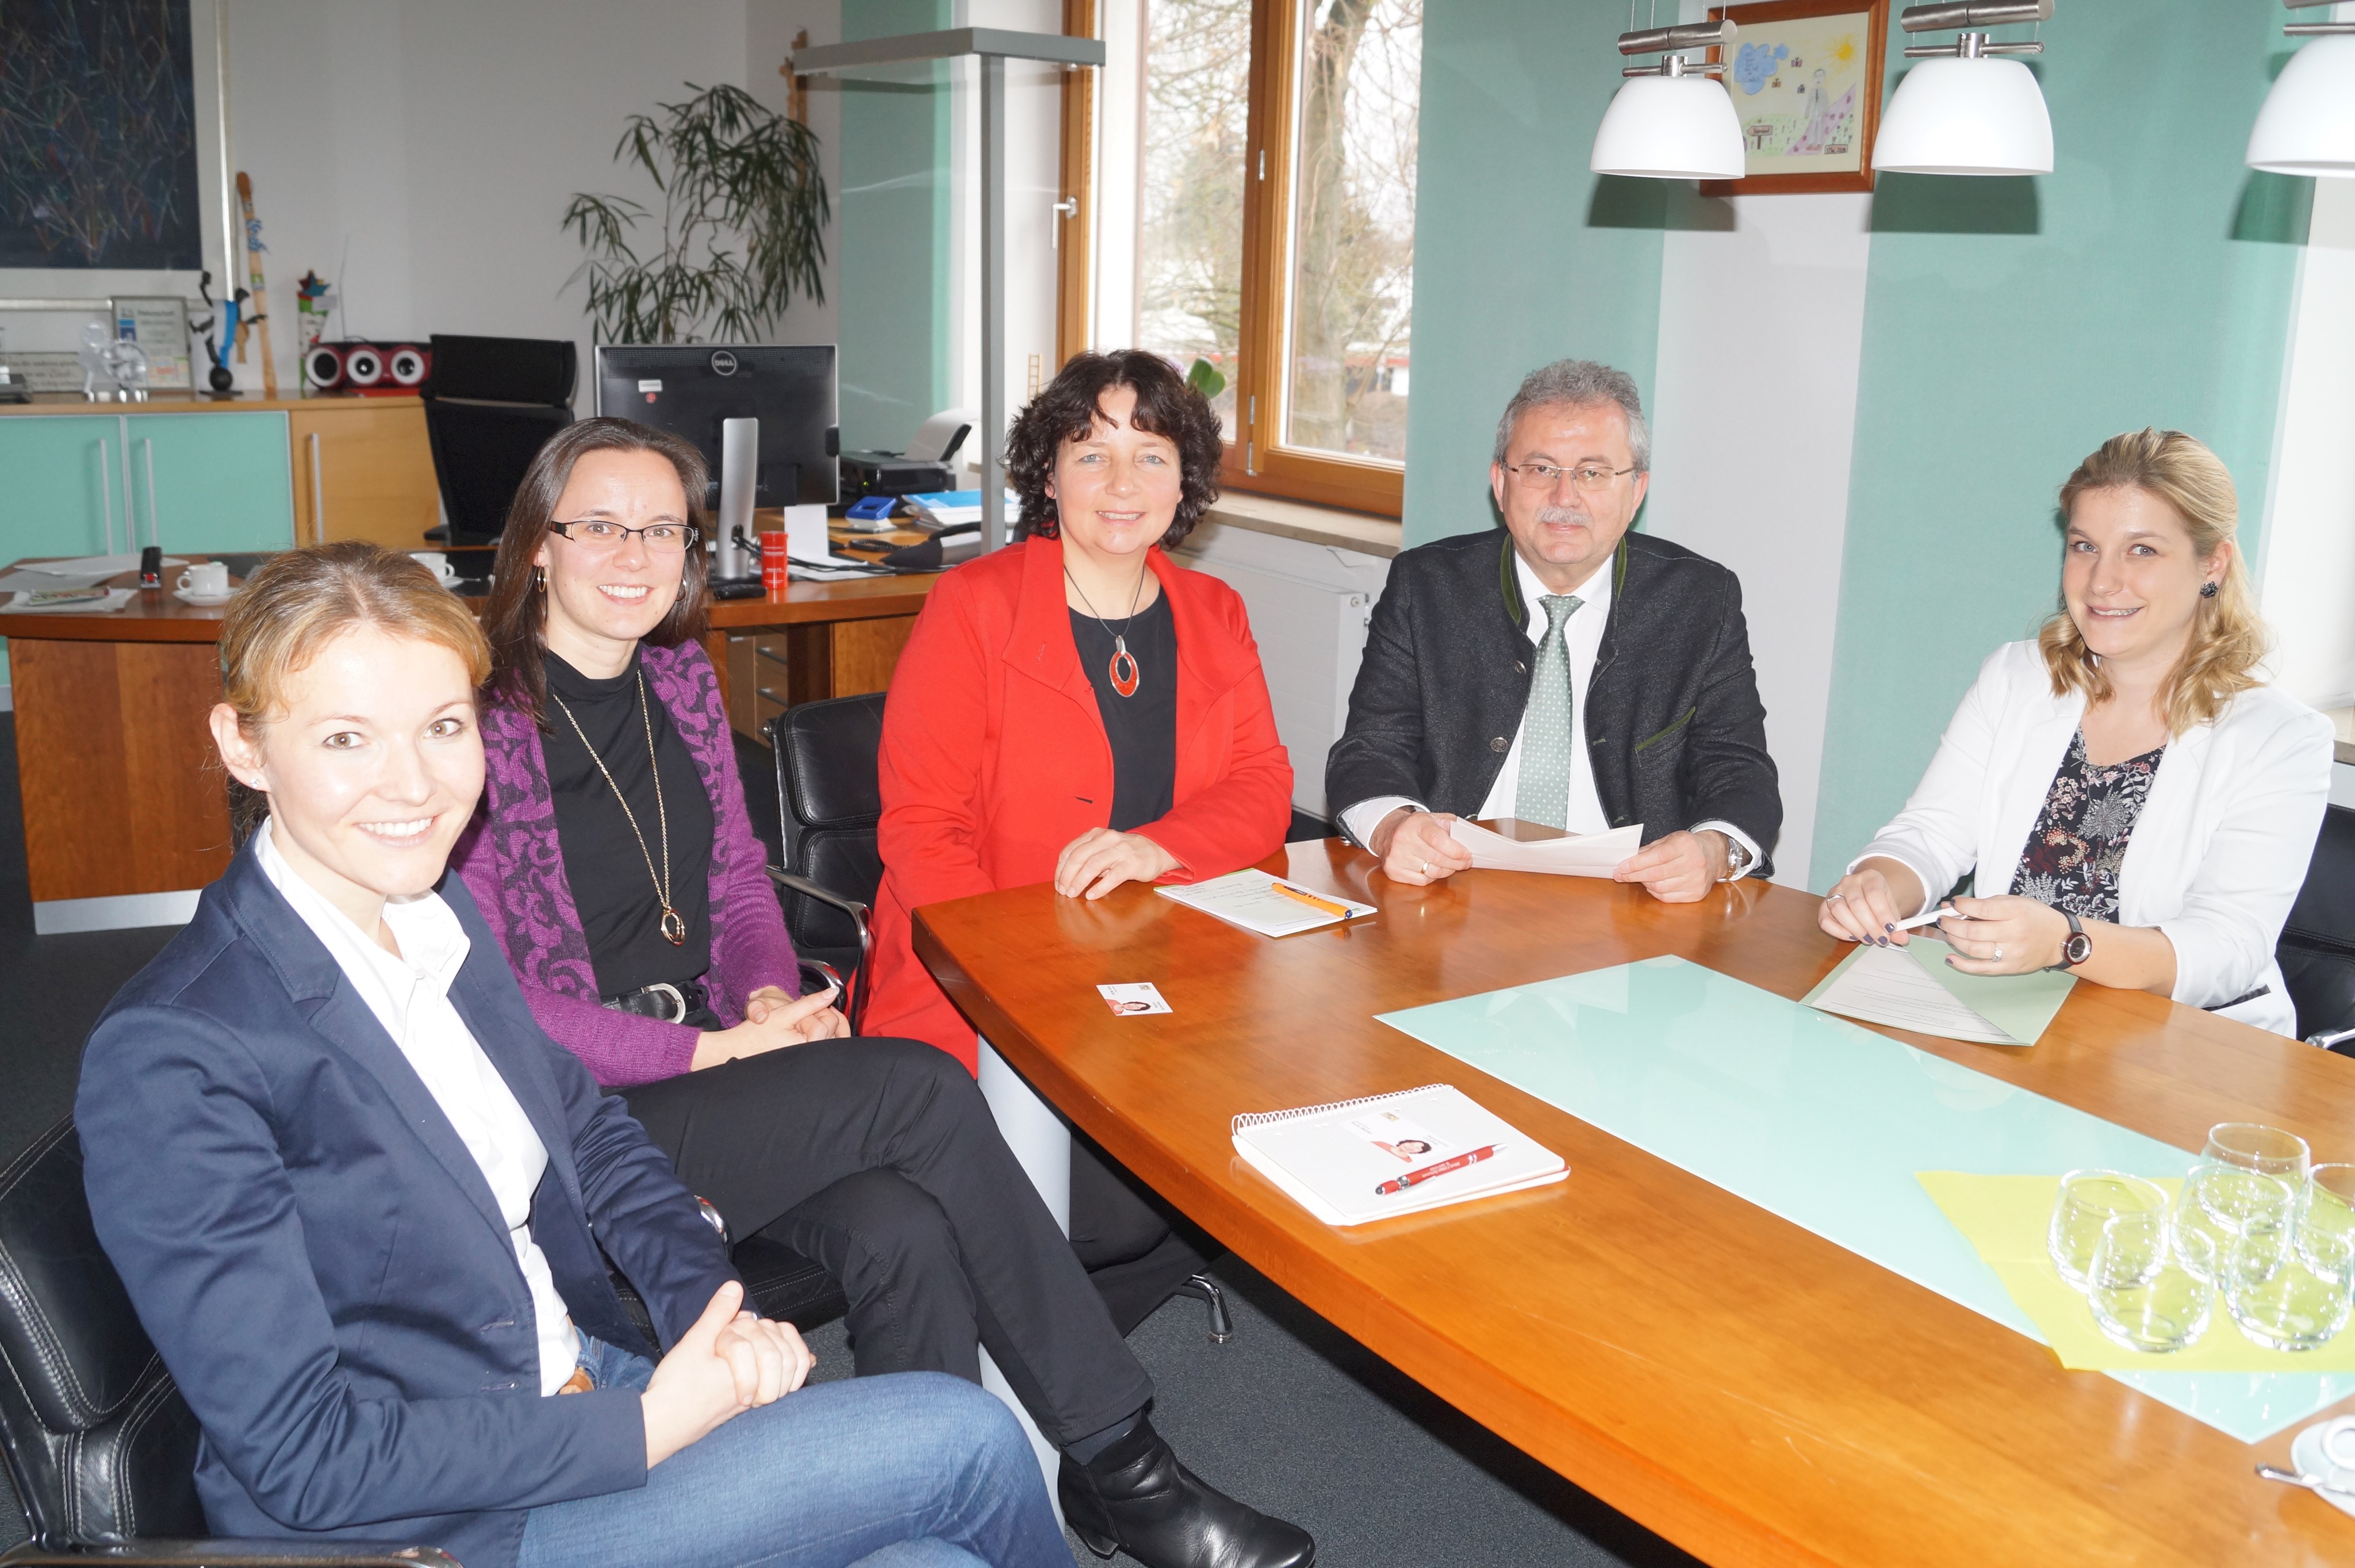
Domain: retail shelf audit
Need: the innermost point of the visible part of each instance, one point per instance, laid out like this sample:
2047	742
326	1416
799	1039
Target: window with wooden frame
1238	194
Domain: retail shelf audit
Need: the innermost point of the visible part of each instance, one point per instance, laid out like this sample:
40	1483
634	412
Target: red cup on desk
772	564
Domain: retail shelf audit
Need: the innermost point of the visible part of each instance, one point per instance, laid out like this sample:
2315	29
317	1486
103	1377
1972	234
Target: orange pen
1311	899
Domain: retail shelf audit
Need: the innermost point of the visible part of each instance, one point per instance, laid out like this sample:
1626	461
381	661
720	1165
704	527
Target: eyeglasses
1588	477
669	539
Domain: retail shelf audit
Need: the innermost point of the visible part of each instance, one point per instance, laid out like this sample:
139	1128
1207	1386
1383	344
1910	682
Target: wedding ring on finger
1426	870
1998	952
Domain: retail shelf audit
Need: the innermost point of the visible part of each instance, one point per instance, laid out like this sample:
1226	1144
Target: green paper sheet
2005	1217
2017	1006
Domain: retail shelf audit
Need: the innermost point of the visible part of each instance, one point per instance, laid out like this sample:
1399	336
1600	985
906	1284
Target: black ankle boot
1135	1496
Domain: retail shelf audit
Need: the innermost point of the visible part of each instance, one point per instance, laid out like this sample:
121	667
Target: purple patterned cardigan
515	867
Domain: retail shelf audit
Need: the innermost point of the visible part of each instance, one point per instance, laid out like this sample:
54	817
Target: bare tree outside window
1196	125
1358	91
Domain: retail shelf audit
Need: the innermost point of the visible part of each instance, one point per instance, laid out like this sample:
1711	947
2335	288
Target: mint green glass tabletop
1822	1122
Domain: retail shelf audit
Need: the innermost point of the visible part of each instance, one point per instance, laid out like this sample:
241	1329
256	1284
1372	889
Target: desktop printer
927	465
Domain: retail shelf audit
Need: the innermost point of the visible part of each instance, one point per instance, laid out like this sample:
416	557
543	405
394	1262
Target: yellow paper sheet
2005	1217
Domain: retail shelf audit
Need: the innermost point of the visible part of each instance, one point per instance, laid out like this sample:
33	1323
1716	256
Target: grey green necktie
1542	792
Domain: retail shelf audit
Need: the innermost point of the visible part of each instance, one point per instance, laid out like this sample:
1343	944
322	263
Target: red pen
1400	1183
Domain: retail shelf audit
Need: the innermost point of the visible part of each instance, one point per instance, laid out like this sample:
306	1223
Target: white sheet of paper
1127	1000
806	543
116	598
1885	987
1247	898
1578	855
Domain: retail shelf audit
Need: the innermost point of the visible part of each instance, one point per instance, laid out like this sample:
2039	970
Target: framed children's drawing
1805	76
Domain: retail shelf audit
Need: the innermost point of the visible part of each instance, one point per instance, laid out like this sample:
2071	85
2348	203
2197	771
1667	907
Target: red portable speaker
363	364
323	367
378	370
407	365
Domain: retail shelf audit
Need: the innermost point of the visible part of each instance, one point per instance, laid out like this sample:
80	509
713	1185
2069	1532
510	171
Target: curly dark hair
1066	410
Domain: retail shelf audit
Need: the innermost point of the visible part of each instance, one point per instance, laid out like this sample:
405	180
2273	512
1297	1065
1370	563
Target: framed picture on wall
1805	76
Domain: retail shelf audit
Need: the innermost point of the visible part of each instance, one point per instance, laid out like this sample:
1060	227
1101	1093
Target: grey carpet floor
1291	1413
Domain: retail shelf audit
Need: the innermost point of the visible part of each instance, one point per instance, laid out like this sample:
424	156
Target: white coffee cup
2339	1447
206	579
434	562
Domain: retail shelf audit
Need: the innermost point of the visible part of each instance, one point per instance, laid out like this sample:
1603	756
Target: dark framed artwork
1804	77
98	136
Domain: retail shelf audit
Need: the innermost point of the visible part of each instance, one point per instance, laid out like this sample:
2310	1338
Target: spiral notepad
1369	1159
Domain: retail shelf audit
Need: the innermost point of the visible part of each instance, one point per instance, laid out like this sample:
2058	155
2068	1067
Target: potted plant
742	226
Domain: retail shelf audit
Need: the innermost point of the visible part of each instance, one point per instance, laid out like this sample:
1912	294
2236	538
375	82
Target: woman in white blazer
2136	803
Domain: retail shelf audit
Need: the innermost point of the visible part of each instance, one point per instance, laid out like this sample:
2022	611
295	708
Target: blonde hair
296	603
2228	637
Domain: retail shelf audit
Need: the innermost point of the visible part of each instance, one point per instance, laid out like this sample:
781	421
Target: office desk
1841	1414
125	810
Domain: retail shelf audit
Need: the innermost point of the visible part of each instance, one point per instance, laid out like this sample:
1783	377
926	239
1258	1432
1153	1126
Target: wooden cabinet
210	483
61	486
769	671
363	470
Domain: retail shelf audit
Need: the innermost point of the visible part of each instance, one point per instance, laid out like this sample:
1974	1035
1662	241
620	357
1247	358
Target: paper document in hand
1573	855
1333	1160
1251	900
1911	987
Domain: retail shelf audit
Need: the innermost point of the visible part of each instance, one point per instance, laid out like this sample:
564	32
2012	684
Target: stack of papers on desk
953	509
69	600
81	572
1573	855
1251	900
1336	1160
1912	987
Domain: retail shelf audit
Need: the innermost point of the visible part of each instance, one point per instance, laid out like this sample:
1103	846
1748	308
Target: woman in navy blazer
313	1233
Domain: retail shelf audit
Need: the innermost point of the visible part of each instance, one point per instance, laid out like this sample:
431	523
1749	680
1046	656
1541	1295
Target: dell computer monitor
687	389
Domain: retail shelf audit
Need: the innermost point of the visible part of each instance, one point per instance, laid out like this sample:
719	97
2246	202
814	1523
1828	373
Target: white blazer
2217	855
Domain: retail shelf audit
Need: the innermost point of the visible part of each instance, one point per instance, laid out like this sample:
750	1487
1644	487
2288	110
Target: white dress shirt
2217	855
409	995
1582	639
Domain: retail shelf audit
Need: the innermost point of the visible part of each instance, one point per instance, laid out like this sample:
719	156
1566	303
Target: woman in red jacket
1078	707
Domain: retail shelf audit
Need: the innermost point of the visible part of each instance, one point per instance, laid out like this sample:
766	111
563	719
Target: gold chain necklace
674	929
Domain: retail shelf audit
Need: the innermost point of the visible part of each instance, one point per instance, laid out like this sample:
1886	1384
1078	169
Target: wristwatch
1737	857
2078	948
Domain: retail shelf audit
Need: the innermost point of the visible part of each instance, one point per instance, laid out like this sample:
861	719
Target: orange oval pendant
1123	670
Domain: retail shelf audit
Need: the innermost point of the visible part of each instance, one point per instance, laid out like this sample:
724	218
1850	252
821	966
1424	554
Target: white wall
2308	539
1754	411
437	142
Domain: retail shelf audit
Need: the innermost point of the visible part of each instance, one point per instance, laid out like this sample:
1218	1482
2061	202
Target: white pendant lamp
2308	123
1672	121
1964	110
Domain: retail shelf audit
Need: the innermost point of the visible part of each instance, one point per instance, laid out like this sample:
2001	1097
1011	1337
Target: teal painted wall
2011	325
893	235
1520	255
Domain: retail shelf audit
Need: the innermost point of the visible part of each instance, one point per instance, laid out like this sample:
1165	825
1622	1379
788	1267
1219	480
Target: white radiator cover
1309	606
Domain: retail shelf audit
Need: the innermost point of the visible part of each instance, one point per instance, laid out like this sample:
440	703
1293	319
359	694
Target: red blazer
995	757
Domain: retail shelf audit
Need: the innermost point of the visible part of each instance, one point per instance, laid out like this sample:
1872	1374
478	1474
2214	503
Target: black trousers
880	1160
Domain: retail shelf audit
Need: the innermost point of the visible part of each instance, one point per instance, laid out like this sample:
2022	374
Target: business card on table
1140	997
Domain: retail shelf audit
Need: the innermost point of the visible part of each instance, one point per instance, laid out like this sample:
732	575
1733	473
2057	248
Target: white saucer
203	600
2307	1458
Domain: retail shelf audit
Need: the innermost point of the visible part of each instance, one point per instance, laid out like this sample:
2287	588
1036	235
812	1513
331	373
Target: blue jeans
913	1470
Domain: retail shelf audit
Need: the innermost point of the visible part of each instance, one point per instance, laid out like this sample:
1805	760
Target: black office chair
827	807
2317	950
100	1444
828	804
491	404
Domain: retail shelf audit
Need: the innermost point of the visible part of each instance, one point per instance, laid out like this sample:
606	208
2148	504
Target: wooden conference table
1842	1414
125	814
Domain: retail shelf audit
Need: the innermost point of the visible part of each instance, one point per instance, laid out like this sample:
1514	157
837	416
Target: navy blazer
320	1261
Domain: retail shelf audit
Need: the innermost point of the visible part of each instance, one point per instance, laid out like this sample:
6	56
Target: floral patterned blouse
2073	858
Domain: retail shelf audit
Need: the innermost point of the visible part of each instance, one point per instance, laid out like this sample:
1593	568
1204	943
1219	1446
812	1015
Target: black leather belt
662	1000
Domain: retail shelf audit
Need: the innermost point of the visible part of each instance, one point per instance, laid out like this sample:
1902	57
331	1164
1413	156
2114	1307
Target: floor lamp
993	46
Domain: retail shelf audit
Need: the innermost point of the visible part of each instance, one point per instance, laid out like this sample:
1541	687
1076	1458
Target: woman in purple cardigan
614	862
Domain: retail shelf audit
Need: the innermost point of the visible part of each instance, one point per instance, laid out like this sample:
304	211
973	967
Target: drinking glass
2142	1296
2280	1300
2326	1229
2252	1146
2217	1204
2086	1201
